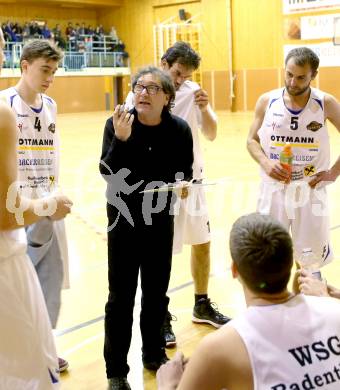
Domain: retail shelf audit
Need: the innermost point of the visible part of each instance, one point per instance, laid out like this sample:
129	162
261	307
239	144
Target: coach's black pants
130	249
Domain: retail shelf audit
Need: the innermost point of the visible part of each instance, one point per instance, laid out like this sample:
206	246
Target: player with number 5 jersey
305	130
297	114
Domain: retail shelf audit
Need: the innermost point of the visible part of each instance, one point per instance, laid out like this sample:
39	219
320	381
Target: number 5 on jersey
37	124
294	124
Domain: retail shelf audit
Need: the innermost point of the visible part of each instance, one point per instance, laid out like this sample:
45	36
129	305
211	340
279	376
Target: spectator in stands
82	29
26	31
88	44
71	37
69	30
100	30
97	38
81	48
58	38
120	46
90	30
123	55
113	34
56	31
77	30
17	29
9	34
46	32
35	30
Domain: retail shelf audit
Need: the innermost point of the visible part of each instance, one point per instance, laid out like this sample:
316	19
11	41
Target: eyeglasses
150	89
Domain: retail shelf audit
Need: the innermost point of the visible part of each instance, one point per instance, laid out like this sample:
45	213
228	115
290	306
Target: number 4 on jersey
37	124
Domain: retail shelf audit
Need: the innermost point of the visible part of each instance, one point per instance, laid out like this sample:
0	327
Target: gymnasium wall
78	93
258	60
134	23
257	49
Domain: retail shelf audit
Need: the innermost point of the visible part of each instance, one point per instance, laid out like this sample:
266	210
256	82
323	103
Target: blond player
28	358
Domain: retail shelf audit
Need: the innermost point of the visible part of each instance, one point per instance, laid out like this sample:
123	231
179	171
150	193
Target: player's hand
309	285
122	122
326	177
170	373
201	98
64	205
182	189
275	170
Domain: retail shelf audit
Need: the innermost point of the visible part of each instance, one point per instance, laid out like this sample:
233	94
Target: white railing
91	43
79	61
73	60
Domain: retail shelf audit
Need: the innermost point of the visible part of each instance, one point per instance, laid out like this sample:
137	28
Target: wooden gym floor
80	331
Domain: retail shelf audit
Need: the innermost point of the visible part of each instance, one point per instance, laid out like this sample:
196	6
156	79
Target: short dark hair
182	53
164	78
262	250
40	48
303	56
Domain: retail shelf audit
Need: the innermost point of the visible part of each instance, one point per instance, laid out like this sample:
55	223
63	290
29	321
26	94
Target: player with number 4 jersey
37	141
38	165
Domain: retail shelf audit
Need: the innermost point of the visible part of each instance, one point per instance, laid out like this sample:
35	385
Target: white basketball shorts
191	224
303	211
28	358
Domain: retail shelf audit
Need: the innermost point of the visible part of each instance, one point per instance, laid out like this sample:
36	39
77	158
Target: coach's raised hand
122	121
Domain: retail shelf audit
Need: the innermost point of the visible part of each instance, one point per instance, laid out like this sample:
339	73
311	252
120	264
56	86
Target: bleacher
93	49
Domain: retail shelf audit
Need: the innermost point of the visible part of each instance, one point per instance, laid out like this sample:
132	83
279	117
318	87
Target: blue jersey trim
319	102
37	110
293	111
11	99
48	98
272	101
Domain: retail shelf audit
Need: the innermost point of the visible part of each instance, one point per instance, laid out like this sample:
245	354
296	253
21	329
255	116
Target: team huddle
152	140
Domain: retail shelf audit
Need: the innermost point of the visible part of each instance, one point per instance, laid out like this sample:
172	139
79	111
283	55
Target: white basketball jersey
305	130
186	109
38	154
37	141
294	345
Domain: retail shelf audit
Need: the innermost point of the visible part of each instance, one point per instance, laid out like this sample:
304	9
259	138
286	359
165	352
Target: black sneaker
169	335
63	364
118	383
206	312
154	365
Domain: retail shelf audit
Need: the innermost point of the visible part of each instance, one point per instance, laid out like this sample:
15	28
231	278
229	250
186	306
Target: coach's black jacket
151	153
